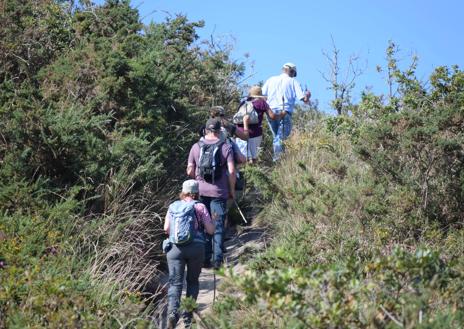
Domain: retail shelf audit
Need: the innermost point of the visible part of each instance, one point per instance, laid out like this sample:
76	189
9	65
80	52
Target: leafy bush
97	115
397	288
420	146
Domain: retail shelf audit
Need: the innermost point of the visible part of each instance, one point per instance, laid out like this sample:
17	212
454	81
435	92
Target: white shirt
284	86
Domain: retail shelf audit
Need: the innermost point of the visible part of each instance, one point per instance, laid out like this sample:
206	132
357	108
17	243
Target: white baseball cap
290	66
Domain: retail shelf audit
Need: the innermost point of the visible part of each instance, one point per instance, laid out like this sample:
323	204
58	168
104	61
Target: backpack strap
219	145
194	202
252	107
195	211
200	146
201	142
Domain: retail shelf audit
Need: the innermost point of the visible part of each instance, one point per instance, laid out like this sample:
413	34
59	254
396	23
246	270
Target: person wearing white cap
282	92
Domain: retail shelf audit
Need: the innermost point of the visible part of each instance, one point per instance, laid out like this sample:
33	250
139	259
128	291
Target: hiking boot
172	321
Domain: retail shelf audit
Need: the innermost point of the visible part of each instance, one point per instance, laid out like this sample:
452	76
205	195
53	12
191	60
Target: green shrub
97	113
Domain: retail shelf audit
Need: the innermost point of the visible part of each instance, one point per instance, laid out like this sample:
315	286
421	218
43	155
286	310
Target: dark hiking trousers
217	208
193	256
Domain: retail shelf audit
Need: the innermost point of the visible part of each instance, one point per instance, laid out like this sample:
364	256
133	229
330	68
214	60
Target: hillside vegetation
366	213
98	112
97	115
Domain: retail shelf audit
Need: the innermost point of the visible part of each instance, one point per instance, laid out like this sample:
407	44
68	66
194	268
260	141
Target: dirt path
249	238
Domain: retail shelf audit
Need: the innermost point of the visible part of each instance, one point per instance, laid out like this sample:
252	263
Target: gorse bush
97	114
344	295
421	145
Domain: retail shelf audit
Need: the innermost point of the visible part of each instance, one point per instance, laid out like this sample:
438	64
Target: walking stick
283	122
214	276
240	211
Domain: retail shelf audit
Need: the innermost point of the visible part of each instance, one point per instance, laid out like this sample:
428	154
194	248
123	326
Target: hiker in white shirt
282	92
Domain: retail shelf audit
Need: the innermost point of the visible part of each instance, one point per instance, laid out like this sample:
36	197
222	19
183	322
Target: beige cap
190	186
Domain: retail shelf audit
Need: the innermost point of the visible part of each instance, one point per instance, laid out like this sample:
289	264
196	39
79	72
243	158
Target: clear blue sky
275	32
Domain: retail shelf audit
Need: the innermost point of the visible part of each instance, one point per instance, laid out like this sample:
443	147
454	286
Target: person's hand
232	195
307	96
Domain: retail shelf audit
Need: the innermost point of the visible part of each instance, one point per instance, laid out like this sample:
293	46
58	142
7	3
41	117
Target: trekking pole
214	275
240	211
247	151
283	122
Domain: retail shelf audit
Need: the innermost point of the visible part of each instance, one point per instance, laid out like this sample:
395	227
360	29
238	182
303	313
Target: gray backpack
246	108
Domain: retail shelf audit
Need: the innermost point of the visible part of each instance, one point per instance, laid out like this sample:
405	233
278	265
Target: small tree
341	83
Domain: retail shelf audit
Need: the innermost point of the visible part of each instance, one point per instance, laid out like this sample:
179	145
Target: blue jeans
191	255
280	129
217	209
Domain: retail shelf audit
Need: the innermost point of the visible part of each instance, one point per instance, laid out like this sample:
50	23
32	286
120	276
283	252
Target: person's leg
287	126
275	126
176	265
218	212
195	258
242	145
254	145
208	237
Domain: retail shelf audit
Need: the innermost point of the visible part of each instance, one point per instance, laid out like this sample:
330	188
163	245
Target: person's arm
232	178
191	163
166	223
306	97
210	227
300	95
246	123
272	115
191	170
205	218
244	134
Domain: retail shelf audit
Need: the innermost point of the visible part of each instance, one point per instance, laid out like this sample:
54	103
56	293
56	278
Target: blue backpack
182	223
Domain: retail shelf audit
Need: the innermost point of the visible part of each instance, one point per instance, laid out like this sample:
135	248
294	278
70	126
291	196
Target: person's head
189	189
290	69
217	112
213	126
255	92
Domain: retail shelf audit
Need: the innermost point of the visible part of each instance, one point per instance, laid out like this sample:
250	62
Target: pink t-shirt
220	188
